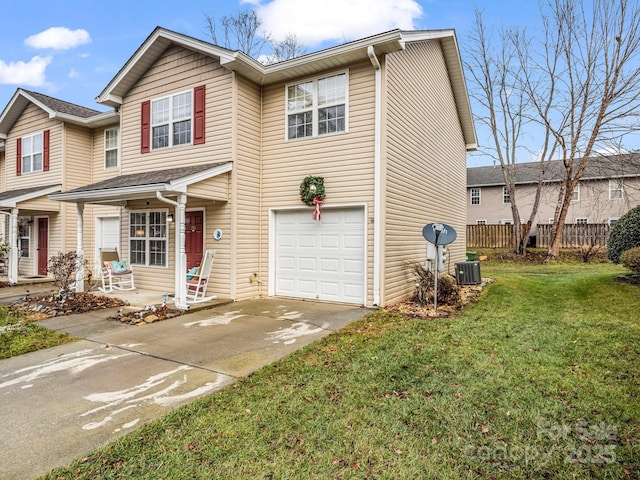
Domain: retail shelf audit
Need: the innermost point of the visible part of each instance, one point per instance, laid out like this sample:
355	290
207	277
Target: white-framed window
171	120
475	196
481	222
24	237
613	220
616	189
148	238
111	144
550	221
507	221
506	198
576	194
582	221
32	153
317	107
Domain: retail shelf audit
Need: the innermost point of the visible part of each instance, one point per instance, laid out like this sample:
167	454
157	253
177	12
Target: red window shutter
19	157
45	151
145	127
198	115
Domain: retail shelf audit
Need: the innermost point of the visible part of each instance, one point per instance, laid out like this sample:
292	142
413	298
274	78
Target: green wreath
312	188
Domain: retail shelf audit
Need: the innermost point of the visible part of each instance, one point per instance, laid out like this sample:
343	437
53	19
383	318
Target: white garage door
323	260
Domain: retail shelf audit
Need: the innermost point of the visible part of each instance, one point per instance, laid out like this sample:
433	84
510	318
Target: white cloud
30	73
336	20
58	38
73	74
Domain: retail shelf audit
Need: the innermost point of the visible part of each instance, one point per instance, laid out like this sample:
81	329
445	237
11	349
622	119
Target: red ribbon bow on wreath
316	213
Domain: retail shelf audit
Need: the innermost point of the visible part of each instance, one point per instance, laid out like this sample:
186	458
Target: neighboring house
212	147
46	148
609	187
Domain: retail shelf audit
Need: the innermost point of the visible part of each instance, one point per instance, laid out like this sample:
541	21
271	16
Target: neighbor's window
148	239
24	236
475	196
317	107
507	221
32	153
481	222
582	221
576	194
613	220
505	195
111	148
615	189
171	120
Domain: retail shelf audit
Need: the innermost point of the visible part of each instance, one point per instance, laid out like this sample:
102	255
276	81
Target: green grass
537	379
19	336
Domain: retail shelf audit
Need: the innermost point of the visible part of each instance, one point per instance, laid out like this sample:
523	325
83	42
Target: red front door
43	245
194	237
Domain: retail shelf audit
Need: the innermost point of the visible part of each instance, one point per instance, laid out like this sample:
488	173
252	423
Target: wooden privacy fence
575	235
490	236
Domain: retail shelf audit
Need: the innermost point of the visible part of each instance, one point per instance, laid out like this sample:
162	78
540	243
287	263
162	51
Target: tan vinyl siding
247	191
425	163
345	160
216	188
32	121
179	70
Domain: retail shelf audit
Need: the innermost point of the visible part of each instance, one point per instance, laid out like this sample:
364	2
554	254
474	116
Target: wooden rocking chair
114	273
198	281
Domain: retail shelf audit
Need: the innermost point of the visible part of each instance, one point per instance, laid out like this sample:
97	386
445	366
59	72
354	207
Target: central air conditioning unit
468	273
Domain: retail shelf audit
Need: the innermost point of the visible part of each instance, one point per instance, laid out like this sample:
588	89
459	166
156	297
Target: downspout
377	193
180	298
12	271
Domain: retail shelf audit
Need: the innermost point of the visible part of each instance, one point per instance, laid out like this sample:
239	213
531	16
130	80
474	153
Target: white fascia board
30	196
118	193
93	121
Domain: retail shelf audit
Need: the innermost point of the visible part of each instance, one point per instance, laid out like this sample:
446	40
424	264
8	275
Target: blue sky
72	49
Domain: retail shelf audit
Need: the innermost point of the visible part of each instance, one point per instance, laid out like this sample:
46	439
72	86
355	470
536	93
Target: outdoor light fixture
170	217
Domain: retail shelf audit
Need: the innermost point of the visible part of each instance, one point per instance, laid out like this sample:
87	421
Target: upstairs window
616	189
481	222
475	196
576	194
32	153
111	147
582	221
506	198
177	119
317	107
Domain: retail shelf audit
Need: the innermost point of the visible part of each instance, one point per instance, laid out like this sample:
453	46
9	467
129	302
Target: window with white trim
111	143
24	237
475	196
148	239
32	151
317	107
550	221
616	189
507	221
582	221
613	220
171	120
481	222
576	194
506	198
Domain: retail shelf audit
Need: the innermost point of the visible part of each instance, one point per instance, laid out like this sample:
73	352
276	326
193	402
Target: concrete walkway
59	404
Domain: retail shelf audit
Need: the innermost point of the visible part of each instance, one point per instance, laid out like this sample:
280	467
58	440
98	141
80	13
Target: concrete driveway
59	404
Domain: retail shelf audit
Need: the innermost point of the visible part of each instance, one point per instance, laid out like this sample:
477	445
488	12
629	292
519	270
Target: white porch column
79	249
181	254
13	242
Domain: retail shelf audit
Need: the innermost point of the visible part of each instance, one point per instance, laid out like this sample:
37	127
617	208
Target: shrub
63	267
448	289
631	259
624	235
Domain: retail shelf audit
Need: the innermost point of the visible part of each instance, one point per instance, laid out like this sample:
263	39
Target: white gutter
377	196
180	298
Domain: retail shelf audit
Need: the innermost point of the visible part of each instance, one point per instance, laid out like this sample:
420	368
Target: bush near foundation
631	259
624	235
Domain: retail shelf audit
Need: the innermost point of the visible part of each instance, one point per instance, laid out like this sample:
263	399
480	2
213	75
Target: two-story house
609	187
212	146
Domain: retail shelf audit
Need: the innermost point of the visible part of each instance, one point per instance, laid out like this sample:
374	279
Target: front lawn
538	379
19	335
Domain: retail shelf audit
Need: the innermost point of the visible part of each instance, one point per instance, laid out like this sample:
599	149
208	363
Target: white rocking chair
114	273
197	284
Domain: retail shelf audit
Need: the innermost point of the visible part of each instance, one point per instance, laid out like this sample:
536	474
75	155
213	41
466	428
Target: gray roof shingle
63	107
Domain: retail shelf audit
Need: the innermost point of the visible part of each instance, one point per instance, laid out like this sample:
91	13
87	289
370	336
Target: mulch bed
633	279
56	305
151	314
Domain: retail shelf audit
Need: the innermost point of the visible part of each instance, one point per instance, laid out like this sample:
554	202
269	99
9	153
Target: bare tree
495	81
286	49
589	67
243	32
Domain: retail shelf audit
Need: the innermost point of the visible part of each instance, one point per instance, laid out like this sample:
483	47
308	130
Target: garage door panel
329	261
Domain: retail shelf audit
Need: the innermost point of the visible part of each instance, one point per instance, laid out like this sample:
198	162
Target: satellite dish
439	233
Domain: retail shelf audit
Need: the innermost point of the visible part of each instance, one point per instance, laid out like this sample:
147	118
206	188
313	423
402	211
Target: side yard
537	379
